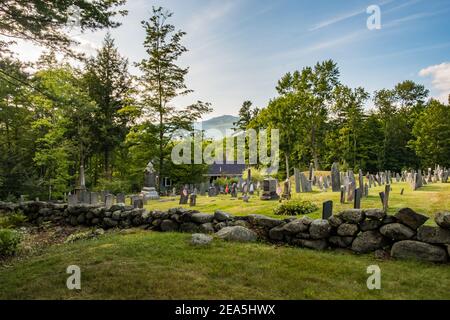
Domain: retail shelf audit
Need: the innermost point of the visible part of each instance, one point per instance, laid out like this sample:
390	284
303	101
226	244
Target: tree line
55	117
321	121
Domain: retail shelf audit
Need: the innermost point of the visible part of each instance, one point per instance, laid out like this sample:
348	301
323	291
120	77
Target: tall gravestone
361	180
327	209
269	189
357	200
306	184
297	180
335	178
149	189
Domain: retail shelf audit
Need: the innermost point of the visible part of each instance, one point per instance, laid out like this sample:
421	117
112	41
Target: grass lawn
151	265
427	200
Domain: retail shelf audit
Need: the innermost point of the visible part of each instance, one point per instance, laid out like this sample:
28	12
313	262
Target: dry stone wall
402	235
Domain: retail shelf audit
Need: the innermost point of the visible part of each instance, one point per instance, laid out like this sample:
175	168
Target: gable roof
226	169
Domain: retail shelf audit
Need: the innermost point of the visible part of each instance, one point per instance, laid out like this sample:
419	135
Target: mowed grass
151	265
427	200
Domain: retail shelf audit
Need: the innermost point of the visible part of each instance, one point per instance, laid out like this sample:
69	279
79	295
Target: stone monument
149	191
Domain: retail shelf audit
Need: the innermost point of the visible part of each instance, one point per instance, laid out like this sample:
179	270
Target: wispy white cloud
440	75
410	18
209	14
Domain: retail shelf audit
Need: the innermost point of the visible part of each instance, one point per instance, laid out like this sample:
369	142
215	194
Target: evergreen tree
162	81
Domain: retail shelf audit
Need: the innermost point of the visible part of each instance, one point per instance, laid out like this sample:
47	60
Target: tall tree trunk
286	156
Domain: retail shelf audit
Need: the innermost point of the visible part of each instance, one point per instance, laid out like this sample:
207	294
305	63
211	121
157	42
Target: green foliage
162	81
258	174
9	242
432	133
84	235
43	22
13	220
222	182
295	207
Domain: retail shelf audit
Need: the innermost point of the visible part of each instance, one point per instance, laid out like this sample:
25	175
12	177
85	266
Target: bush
294	208
13	220
9	241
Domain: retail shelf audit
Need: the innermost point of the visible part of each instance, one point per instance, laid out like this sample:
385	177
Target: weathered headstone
184	196
342	194
401	192
366	190
382	198
73	199
270	189
361	180
387	190
357	200
311	172
120	198
94	198
351	191
138	203
109	201
306	184
335	178
327	209
193	200
286	190
297	180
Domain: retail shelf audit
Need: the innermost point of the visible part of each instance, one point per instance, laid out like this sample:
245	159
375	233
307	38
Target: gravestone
234	191
120	198
387	190
212	192
269	189
73	199
85	196
251	189
326	185
149	189
245	198
286	190
138	203
335	178
311	172
366	190
306	184
342	194
297	180
361	180
327	209
109	201
351	191
184	195
193	200
401	192
94	198
357	200
382	198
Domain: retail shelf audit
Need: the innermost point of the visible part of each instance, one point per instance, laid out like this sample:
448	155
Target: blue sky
238	49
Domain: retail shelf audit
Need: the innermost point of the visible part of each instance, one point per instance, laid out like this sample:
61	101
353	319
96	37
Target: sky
239	49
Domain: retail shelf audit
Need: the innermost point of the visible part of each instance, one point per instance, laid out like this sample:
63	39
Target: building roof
226	169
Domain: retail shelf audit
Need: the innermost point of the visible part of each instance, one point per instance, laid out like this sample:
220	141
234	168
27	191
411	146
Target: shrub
294	208
9	241
13	220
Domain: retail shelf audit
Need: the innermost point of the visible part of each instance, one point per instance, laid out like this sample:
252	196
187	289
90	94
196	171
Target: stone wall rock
362	231
409	249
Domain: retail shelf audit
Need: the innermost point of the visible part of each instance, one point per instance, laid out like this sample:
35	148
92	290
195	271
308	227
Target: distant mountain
222	124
